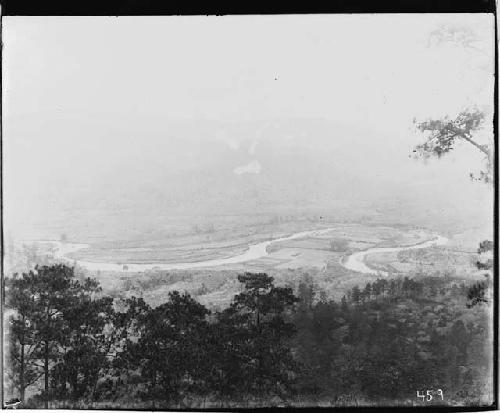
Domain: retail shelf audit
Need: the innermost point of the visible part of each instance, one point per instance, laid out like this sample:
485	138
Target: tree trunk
94	387
21	373
46	374
482	148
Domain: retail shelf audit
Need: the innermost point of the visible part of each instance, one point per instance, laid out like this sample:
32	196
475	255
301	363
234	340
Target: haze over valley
217	212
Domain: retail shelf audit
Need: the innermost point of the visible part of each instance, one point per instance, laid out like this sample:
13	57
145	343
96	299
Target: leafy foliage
49	325
404	336
479	292
381	342
444	134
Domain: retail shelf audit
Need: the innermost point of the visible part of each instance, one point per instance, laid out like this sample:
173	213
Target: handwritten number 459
427	396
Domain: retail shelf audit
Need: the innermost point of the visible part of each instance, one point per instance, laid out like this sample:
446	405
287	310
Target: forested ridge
70	345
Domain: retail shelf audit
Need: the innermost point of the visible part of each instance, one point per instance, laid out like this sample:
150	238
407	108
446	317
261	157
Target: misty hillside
205	168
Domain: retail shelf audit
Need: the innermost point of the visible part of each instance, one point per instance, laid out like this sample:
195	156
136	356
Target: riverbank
291	251
356	261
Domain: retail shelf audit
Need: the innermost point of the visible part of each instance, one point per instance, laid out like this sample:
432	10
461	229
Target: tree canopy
443	135
272	344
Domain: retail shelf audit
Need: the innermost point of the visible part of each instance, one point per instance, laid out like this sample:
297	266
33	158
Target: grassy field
219	243
194	244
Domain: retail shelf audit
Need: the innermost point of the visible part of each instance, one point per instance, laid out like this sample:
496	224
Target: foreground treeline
69	345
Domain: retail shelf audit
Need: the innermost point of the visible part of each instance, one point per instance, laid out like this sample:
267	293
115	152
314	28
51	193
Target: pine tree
259	315
40	299
21	346
356	295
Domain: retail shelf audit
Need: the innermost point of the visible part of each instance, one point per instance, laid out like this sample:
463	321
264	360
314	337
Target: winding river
253	252
354	262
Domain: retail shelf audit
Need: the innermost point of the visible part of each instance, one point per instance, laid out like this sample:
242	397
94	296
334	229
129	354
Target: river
255	251
354	262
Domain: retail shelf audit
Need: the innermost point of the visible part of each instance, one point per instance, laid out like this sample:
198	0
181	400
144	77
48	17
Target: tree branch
30	382
480	147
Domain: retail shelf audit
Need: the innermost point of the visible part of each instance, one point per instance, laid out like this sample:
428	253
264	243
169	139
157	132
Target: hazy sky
87	97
